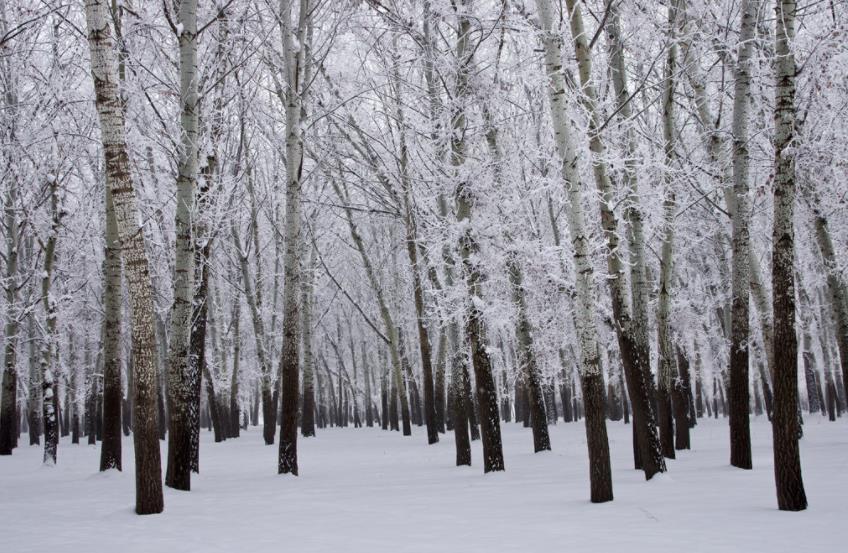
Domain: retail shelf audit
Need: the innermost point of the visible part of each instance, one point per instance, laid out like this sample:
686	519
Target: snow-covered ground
369	490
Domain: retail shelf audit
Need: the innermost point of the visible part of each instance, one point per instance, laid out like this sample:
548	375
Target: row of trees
308	213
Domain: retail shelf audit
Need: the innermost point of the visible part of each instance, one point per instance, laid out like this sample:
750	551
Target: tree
110	447
590	370
148	480
787	455
740	433
181	380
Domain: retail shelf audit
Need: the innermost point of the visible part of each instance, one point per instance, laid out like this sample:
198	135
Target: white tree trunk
180	379
131	237
590	369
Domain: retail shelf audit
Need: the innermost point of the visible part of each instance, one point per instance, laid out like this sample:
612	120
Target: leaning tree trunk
592	380
110	448
631	330
740	432
131	239
837	289
475	331
180	377
787	455
390	337
527	357
417	287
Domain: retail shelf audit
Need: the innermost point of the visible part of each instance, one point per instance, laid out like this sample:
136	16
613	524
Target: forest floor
369	490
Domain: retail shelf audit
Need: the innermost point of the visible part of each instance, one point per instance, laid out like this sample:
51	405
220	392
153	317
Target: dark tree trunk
459	415
384	402
681	403
785	428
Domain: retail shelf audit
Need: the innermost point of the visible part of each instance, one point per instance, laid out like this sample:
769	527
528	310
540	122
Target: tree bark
591	377
9	397
787	455
131	239
740	433
528	367
181	376
297	79
110	448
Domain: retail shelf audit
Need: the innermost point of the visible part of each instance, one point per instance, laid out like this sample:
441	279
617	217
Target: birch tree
181	386
590	370
787	455
148	480
740	433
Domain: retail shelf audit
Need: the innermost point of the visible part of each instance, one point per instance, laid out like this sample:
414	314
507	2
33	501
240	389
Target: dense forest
450	214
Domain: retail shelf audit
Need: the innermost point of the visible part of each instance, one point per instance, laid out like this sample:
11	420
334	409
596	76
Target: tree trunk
591	377
665	350
110	448
131	241
307	424
49	377
235	406
528	368
297	78
181	379
740	433
9	396
475	332
787	455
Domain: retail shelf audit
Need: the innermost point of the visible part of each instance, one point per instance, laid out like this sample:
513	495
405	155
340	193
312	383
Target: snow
375	491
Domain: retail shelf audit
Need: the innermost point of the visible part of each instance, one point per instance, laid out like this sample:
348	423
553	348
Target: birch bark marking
294	55
487	401
591	377
666	351
148	478
787	454
740	432
180	379
631	329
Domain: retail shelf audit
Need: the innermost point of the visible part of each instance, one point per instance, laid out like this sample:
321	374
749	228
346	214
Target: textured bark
460	409
836	287
665	369
631	328
307	425
682	402
47	359
527	359
131	239
475	332
110	448
591	377
297	79
181	380
787	455
9	396
34	399
235	405
740	433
